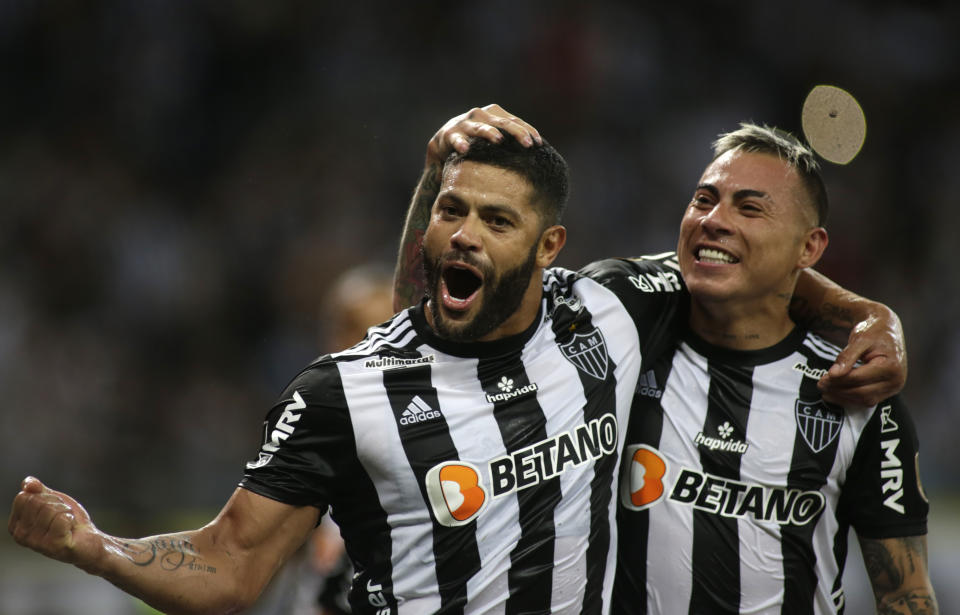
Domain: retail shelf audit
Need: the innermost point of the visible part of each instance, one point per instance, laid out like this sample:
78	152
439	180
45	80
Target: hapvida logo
508	392
722	444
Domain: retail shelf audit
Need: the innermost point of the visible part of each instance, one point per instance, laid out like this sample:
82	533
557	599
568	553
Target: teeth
709	255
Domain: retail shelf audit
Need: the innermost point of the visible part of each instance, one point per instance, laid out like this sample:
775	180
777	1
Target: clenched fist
54	524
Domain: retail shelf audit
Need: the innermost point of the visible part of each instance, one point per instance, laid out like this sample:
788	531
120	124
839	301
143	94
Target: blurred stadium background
180	181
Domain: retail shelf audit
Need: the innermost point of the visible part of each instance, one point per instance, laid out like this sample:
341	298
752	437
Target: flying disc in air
833	123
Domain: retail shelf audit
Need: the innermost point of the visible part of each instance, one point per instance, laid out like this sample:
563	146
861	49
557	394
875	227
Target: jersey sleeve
882	494
652	290
307	437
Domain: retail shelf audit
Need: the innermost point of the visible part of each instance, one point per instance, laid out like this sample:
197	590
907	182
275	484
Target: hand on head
478	122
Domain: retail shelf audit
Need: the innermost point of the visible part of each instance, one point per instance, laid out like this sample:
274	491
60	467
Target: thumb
32	484
844	361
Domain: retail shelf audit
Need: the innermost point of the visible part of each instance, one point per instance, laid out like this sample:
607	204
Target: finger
514	124
59	529
494	116
866	396
32	484
847	358
878	370
33	509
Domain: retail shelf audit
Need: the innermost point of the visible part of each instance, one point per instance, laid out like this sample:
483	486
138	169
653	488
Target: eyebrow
738	195
485	208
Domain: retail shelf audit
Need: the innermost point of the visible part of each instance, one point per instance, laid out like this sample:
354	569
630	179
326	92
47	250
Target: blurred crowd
181	182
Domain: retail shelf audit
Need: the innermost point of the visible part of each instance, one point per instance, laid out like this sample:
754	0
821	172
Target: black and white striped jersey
481	477
740	483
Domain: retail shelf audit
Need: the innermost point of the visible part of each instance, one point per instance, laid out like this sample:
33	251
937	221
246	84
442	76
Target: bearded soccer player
469	447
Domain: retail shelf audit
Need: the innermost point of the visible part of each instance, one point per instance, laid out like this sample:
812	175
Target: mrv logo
730	498
284	428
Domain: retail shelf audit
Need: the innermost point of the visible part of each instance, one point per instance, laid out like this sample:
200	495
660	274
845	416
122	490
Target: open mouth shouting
714	256
460	285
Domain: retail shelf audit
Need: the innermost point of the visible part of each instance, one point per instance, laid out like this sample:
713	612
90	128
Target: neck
737	326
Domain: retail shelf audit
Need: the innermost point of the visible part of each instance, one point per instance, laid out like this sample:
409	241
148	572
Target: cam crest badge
818	424
588	352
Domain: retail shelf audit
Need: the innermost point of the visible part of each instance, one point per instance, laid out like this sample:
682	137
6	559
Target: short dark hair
756	139
540	164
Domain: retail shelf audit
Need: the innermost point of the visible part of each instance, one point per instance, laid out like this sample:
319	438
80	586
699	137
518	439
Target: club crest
818	423
588	352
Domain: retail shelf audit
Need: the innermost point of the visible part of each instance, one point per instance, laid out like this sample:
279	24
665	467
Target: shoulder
389	344
652	272
818	350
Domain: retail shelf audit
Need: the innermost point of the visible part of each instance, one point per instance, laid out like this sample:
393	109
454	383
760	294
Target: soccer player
469	447
894	505
740	482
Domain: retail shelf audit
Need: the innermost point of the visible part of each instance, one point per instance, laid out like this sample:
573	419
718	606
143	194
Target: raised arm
408	282
219	568
898	572
871	332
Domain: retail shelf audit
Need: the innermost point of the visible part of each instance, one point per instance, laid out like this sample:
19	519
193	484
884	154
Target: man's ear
551	242
814	244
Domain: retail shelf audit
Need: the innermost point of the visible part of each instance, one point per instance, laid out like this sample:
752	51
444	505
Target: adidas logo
647	385
417	412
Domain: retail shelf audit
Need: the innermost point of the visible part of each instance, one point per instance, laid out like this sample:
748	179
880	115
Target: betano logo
648	478
456	489
642	484
455	493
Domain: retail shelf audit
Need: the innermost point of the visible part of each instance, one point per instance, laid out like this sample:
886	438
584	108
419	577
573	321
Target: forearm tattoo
169	553
890	563
409	284
830	320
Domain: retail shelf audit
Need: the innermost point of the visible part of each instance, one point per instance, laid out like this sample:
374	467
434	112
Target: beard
502	295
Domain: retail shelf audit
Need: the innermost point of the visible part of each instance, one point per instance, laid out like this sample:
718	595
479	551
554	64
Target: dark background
180	181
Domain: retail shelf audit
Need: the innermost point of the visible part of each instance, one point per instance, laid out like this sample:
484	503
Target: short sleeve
652	290
882	495
307	437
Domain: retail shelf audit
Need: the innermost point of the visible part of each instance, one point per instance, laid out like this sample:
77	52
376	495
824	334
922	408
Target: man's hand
54	524
877	343
478	122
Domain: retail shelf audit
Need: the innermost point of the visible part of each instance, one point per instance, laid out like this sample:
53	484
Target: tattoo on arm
893	566
408	282
831	321
169	553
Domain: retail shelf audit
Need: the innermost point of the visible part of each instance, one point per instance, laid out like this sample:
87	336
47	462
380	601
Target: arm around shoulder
219	568
871	331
